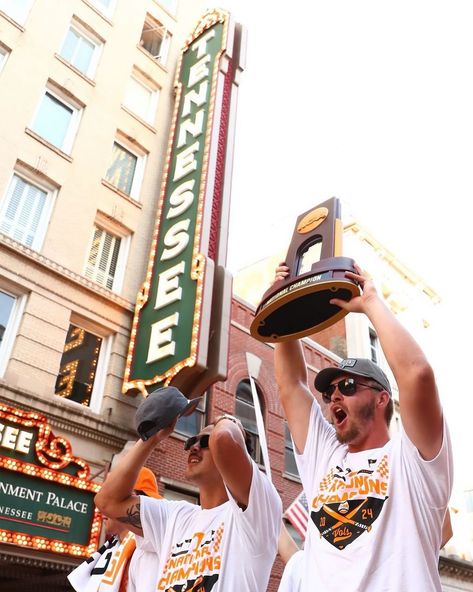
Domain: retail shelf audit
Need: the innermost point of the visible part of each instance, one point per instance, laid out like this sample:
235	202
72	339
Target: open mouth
339	415
193	459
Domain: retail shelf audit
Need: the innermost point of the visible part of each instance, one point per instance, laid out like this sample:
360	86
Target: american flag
298	514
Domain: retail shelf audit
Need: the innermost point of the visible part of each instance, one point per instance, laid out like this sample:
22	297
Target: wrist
147	446
234	420
374	305
226	416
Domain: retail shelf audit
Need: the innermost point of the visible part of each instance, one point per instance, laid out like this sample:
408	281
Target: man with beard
376	504
229	542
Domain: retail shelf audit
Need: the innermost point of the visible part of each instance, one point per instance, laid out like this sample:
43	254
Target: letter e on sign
168	285
160	343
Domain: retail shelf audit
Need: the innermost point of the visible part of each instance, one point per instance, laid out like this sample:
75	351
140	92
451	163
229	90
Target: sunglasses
347	386
202	441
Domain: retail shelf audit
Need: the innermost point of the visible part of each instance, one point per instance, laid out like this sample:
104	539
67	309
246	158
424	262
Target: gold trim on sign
210	18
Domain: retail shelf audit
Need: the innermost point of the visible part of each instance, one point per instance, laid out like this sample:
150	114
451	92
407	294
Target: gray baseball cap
352	367
160	409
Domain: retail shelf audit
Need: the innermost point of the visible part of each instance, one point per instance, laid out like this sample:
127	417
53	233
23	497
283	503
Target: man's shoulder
184	507
260	478
168	506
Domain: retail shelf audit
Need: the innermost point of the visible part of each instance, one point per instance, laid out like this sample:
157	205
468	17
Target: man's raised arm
296	398
421	412
291	377
227	445
116	498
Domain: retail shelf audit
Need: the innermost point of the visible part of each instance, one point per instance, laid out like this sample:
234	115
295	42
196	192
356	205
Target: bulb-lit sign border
53	454
201	267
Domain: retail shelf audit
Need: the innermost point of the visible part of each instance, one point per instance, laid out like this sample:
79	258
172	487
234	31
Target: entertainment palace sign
181	324
46	496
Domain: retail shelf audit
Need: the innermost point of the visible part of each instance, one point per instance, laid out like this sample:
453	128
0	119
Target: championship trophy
300	305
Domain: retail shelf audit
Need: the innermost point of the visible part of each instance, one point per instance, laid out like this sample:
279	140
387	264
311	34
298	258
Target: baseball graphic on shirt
349	502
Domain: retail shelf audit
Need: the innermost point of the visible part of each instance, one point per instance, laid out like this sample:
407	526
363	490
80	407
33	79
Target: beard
354	430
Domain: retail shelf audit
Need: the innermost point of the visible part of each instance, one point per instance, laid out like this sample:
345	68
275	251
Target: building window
126	170
105	260
25	212
141	99
374	346
7	302
155	39
57	121
81	372
106	7
245	411
192	424
11	309
81	51
290	466
16	9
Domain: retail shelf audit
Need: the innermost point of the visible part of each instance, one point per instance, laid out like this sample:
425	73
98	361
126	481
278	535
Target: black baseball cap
160	409
353	367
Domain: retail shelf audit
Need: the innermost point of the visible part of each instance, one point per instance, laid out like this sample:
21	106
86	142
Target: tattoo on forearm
132	516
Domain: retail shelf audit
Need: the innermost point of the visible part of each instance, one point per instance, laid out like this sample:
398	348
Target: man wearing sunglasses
229	542
376	504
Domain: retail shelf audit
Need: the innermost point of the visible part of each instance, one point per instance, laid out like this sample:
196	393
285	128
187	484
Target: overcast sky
371	102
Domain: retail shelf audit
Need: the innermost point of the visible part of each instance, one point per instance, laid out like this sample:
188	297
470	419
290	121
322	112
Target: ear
383	399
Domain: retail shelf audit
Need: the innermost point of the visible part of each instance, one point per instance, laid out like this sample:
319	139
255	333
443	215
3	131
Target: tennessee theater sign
178	335
46	495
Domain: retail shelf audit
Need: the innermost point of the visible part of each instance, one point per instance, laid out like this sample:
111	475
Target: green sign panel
169	332
39	508
46	496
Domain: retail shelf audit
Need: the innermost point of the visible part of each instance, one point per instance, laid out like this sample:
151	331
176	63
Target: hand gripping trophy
300	304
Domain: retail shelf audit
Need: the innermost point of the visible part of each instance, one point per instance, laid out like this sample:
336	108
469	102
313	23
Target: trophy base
303	307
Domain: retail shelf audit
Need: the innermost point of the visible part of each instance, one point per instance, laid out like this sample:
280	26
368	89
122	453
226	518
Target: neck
212	495
374	439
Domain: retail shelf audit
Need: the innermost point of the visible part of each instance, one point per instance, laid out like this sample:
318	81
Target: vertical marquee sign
46	495
186	292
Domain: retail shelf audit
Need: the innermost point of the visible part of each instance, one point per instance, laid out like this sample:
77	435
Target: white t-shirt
375	516
103	571
292	575
223	549
143	568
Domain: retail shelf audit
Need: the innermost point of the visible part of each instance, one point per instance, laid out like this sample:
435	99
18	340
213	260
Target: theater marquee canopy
46	495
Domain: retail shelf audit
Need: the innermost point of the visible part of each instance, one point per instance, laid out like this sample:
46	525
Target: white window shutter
165	43
102	262
24	210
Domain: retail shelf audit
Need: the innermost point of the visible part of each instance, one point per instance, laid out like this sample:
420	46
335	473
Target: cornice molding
42	563
458	568
82	423
74	278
